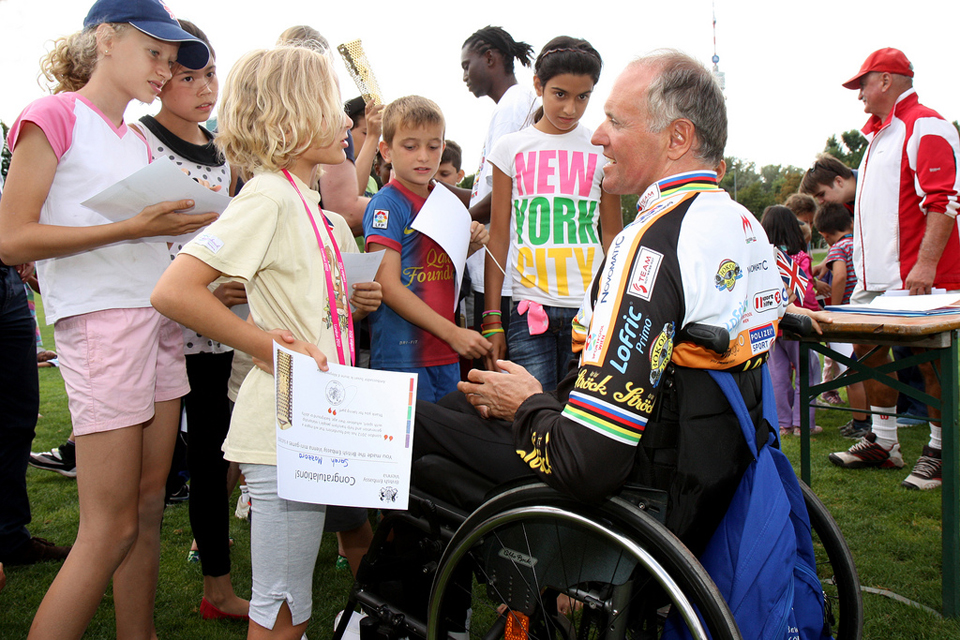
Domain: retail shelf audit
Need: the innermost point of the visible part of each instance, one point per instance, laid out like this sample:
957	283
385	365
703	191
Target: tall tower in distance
720	75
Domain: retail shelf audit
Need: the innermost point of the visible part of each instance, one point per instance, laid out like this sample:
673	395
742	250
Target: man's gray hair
684	88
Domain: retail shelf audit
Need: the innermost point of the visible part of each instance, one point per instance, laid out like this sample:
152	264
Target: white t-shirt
92	154
514	112
200	162
555	244
265	239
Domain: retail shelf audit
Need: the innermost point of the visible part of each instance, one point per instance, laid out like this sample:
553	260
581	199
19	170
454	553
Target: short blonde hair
278	103
70	64
409	111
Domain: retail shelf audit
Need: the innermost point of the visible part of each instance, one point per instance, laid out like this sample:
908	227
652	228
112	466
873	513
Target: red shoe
210	612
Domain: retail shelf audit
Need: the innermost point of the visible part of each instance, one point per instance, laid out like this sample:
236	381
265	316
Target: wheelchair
523	561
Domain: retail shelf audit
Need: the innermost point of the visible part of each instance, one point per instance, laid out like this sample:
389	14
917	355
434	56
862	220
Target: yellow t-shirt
265	239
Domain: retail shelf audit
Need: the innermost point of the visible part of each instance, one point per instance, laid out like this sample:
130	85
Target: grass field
894	535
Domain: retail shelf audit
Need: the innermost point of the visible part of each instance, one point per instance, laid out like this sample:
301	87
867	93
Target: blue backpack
761	555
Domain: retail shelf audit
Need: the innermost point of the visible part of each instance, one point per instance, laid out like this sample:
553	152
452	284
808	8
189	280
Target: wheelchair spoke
616	583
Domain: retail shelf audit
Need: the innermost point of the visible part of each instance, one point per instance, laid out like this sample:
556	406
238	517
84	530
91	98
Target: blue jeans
435	381
19	403
547	355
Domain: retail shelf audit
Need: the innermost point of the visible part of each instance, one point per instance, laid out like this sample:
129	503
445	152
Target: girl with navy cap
122	363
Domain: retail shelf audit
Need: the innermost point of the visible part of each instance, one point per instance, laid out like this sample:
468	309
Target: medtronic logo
766	300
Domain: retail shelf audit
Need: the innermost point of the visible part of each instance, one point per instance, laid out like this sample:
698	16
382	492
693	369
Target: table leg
951	479
804	376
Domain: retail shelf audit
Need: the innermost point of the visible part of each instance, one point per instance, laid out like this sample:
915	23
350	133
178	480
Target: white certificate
159	181
344	436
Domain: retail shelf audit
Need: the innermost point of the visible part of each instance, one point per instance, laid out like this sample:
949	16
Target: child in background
835	224
450	162
122	363
187	100
547	215
367	119
783	231
275	239
415	331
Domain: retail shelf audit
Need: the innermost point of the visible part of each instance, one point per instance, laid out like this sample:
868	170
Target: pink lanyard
328	272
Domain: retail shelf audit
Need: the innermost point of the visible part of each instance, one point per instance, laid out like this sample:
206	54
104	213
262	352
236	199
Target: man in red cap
905	237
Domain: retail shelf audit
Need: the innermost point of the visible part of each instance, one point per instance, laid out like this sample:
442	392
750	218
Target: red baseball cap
885	60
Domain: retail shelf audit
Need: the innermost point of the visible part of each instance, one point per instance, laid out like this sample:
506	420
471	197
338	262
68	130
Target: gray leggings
284	542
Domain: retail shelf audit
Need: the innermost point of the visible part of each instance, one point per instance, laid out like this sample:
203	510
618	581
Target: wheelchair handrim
643	557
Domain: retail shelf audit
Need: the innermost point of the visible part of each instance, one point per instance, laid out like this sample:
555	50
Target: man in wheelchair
692	255
641	408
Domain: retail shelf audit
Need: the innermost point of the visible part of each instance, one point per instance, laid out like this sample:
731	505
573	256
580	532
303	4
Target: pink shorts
116	364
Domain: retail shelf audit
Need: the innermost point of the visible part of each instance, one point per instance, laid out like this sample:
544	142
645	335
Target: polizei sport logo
762	338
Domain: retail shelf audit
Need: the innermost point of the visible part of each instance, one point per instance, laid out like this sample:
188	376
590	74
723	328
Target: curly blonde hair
277	103
70	64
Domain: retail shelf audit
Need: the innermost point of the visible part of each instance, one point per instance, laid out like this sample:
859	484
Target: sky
783	62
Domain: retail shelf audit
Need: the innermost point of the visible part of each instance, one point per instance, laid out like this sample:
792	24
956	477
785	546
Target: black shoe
62	459
38	550
180	495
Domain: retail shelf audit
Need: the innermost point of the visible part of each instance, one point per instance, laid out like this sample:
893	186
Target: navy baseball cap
155	19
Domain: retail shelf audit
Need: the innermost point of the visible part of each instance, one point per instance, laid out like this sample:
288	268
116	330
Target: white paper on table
447	222
915	303
159	181
344	436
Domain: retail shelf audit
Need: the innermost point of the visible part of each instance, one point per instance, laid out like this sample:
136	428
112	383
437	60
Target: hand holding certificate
344	436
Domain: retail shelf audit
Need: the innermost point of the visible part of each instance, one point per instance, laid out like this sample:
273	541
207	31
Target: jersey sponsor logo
766	300
737	317
734	349
727	275
595	341
380	218
652	195
761	338
644	216
537	456
611	266
590	381
408	231
748	233
660	352
644	275
759	266
635	398
632	337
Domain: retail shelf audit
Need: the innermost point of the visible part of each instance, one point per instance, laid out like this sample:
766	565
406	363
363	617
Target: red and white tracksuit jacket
909	170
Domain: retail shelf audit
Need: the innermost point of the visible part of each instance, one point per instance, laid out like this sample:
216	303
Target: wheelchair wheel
837	571
517	561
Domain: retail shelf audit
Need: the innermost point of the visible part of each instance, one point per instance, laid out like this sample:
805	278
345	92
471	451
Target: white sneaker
927	473
867	453
243	504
